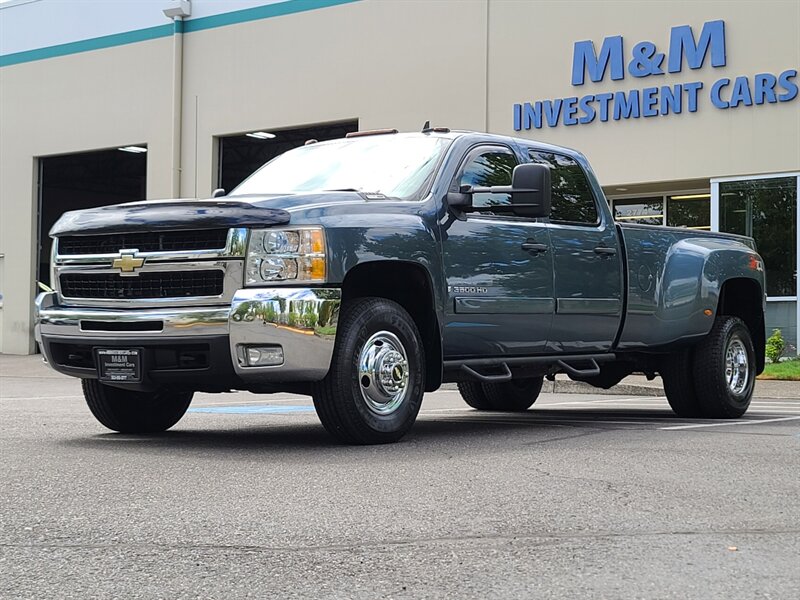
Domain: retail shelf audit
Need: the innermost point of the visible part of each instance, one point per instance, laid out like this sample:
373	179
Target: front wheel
128	411
374	388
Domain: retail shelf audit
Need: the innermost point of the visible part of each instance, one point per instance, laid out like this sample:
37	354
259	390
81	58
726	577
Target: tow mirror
462	199
531	190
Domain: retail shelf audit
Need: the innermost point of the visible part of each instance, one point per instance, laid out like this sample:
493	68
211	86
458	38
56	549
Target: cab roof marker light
133	149
354	134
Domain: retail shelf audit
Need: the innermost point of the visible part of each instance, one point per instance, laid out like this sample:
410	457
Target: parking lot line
731	423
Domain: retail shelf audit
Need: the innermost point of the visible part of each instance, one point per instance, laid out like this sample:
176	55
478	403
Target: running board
577	365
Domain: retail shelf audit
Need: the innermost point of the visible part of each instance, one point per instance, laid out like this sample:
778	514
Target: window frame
468	157
665	196
715	214
599	221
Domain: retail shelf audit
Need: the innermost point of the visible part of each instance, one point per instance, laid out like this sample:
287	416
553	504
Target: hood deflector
168	215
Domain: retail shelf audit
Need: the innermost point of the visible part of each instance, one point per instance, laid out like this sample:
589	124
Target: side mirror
531	190
461	199
217	193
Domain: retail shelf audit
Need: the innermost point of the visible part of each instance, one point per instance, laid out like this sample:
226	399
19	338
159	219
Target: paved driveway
583	496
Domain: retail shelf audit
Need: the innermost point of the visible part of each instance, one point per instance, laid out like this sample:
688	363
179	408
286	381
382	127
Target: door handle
604	251
534	247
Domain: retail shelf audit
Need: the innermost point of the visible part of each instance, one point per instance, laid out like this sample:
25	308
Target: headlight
286	255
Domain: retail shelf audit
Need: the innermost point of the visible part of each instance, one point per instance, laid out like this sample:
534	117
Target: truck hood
159	215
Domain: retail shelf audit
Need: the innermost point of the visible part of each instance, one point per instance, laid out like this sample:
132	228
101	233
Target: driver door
498	268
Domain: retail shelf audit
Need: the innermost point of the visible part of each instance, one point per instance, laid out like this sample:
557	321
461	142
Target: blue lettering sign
533	113
552	110
671	99
646	61
765	88
584	60
604	100
682	42
626	107
762	88
716	91
570	110
588	110
741	93
649	102
789	86
692	89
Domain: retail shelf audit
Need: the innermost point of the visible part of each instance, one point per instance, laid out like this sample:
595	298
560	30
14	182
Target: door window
490	167
572	197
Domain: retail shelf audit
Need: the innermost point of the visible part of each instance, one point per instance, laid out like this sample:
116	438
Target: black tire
724	395
677	373
516	395
473	394
128	411
348	405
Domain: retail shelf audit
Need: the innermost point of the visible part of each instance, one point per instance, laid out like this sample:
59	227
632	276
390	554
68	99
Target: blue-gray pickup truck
368	270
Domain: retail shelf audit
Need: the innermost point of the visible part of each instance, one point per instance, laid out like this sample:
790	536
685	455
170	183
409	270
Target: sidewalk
633	385
638	385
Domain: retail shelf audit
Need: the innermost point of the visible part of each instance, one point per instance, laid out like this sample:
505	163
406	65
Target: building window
645	211
766	210
689	210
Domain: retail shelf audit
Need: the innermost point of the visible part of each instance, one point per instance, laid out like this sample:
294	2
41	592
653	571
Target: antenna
427	127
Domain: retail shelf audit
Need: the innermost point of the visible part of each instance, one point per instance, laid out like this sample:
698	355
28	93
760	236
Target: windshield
393	165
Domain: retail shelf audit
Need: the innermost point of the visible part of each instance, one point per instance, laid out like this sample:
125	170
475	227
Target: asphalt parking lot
583	496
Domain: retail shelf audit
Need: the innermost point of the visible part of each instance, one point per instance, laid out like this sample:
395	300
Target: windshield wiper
343	190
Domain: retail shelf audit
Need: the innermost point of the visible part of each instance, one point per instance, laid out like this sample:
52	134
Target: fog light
260	356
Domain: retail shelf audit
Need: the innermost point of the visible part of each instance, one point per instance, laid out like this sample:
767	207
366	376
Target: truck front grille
161	284
147	241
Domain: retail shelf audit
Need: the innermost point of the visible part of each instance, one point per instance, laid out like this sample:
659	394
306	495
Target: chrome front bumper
301	320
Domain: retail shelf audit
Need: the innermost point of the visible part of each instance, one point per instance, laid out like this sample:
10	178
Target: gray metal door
587	261
499	270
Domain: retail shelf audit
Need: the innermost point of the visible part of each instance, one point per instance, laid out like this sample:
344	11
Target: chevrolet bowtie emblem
127	263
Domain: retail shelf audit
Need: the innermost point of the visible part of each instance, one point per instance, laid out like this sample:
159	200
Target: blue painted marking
249	409
106	41
280	9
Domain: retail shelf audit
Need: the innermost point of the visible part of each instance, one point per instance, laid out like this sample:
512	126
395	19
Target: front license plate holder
119	365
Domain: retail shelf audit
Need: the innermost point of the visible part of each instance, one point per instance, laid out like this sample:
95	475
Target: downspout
177	104
177	13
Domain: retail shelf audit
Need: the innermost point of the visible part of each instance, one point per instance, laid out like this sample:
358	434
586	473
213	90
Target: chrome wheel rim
383	373
737	366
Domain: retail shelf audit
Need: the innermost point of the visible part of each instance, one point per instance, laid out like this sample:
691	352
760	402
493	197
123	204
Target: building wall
88	101
530	58
388	63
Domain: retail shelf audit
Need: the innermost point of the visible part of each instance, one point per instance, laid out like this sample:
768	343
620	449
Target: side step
576	365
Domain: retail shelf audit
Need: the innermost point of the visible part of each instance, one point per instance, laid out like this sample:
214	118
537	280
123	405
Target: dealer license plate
119	364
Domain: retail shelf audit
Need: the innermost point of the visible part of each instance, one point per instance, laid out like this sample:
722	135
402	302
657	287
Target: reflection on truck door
498	267
587	260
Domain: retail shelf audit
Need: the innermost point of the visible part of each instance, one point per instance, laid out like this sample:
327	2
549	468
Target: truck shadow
473	428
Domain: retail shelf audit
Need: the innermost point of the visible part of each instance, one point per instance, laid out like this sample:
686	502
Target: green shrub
775	346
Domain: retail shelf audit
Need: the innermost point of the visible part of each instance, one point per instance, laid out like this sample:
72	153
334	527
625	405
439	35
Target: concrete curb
560	386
